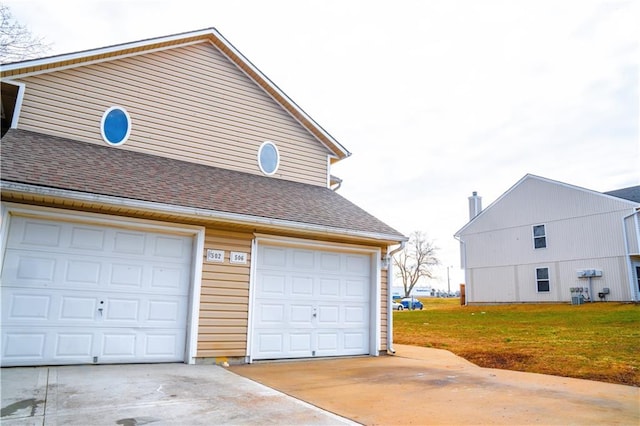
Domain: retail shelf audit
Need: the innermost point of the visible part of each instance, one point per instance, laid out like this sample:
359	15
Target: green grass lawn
596	341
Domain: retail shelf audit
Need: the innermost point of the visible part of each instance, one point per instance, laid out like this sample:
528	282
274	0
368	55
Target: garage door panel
21	307
74	308
328	343
270	343
273	285
356	288
301	315
74	345
329	262
271	314
23	344
86	238
302	286
273	257
353	341
300	343
72	292
328	315
302	259
329	287
40	234
36	270
128	243
355	316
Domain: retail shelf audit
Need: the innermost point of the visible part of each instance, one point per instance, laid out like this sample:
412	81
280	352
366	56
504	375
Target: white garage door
76	293
310	303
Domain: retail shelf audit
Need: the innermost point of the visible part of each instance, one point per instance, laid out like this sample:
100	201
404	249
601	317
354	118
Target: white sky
434	98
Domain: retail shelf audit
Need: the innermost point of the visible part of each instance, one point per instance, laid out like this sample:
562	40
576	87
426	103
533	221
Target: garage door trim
374	254
197	232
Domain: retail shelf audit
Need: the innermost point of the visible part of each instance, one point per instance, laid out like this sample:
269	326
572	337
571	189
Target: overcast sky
435	99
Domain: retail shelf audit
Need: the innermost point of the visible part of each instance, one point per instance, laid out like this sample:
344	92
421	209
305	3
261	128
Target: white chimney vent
475	205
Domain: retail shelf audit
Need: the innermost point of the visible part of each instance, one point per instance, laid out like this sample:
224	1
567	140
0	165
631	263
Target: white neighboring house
545	241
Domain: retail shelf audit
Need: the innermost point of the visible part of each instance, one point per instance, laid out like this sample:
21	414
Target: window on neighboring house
542	279
539	237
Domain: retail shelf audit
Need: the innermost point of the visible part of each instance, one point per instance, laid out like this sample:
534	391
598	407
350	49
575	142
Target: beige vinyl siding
224	297
189	103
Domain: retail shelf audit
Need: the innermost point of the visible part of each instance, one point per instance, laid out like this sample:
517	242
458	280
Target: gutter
389	259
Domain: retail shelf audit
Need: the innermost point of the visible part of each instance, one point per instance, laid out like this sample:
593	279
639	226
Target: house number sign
215	255
238	257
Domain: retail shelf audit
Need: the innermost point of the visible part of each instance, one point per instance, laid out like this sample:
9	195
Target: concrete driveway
416	386
156	394
422	386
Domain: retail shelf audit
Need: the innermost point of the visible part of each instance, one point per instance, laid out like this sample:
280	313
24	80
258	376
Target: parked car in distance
397	306
411	303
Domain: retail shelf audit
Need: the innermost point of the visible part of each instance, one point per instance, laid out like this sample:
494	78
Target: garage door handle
100	309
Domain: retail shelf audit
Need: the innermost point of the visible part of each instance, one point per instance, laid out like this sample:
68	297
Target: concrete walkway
156	394
422	386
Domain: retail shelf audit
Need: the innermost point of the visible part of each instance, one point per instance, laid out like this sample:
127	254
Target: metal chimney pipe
475	205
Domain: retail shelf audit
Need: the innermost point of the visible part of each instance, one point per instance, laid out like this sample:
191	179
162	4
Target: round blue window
268	158
115	126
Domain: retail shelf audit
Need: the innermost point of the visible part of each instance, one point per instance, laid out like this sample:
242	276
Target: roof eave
200	214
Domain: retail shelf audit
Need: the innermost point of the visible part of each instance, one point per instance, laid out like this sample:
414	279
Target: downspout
627	253
463	263
389	259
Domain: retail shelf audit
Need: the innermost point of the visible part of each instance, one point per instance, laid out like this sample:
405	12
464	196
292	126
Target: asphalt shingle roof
54	162
632	193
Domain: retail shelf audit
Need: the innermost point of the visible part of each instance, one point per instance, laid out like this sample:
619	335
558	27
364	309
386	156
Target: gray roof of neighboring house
631	193
54	162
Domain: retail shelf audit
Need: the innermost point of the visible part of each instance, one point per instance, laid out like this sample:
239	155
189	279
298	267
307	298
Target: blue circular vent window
115	126
268	158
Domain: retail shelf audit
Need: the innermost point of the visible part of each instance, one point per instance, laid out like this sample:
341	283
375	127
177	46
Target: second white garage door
311	303
76	293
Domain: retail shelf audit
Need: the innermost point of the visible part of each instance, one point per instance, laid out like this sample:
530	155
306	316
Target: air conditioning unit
588	273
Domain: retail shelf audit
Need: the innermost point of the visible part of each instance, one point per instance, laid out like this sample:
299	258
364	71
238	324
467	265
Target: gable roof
33	161
632	203
211	35
631	193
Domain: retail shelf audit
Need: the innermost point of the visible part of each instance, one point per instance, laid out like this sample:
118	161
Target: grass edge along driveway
595	341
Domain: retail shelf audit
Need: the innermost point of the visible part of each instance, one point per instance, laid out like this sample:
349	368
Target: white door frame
196	232
375	294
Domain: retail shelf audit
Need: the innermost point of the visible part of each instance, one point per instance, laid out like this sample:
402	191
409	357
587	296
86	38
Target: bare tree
416	261
16	41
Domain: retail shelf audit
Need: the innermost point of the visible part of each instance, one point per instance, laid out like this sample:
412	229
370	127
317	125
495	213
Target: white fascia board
194	212
104	50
